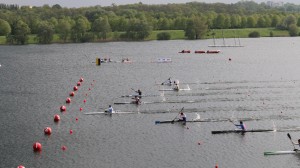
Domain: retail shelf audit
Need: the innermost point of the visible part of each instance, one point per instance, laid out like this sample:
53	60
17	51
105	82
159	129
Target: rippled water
260	85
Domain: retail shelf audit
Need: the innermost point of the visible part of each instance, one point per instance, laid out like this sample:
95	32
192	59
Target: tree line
136	21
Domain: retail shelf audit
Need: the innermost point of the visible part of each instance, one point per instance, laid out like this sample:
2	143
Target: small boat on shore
185	51
212	51
200	52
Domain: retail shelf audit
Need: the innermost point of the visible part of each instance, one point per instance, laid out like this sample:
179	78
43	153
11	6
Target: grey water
260	80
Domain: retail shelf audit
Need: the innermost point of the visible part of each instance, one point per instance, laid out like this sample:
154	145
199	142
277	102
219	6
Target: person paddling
182	117
240	126
110	109
139	92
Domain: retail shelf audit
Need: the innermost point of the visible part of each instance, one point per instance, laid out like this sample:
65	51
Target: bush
163	36
254	34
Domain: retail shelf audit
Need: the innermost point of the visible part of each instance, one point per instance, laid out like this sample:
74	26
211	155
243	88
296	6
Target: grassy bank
179	34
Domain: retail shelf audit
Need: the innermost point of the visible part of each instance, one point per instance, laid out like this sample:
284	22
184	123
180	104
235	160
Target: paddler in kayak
110	109
139	92
182	117
167	82
240	126
176	85
295	143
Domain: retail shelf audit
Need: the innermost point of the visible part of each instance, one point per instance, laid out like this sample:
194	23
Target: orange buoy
21	166
75	88
64	148
37	147
63	108
68	100
78	83
56	118
48	131
72	94
81	80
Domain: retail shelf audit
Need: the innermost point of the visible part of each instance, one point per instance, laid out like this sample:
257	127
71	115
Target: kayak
242	131
190	121
282	152
104	112
174	89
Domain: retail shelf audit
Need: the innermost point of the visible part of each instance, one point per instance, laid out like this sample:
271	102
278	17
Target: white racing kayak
104	112
282	152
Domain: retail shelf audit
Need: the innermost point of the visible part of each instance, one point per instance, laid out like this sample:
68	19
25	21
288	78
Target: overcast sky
85	3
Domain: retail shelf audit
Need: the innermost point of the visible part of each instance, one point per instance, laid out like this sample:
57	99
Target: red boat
185	51
199	51
212	51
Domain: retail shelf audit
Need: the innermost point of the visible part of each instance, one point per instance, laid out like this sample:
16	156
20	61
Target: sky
87	3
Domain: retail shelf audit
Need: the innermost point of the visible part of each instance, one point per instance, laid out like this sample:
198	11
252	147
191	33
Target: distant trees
163	36
136	21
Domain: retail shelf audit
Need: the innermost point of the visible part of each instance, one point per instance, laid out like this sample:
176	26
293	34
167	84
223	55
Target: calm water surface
261	83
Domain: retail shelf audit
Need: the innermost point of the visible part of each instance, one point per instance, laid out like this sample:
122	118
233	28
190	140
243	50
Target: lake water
260	84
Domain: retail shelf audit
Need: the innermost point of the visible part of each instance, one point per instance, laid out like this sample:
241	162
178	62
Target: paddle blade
157	122
288	134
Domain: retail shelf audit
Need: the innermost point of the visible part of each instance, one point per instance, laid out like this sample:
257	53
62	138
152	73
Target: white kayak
282	152
104	112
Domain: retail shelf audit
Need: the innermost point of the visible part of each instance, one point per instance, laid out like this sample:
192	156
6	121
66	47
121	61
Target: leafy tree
45	32
138	30
63	29
5	28
293	30
196	28
220	21
101	27
82	25
163	36
251	22
254	34
19	34
290	20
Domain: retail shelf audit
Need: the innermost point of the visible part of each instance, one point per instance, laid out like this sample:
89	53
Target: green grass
179	34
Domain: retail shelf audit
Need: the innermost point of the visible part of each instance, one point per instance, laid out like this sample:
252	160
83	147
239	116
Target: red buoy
78	83
216	166
84	101
68	100
71	131
81	80
21	166
64	148
72	94
37	147
48	131
75	88
56	118
76	119
80	108
63	108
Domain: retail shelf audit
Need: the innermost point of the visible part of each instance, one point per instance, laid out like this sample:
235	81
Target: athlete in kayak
295	143
176	87
182	117
110	109
240	126
139	92
167	82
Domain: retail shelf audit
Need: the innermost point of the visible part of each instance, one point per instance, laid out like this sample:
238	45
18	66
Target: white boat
282	152
163	60
104	112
